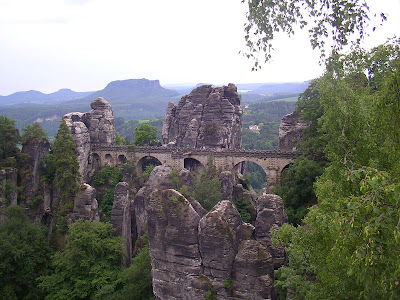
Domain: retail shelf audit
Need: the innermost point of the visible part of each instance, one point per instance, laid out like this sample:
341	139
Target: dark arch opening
193	165
285	168
109	160
121	159
148	161
96	161
254	173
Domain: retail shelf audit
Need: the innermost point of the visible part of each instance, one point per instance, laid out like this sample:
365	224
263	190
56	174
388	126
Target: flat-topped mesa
208	118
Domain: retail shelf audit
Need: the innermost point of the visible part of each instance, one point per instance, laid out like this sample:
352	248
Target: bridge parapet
177	151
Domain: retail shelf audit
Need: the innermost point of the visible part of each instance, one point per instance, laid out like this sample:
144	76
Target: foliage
38	199
105	181
106	204
9	138
228	283
137	277
207	187
33	131
108	175
211	293
90	260
66	166
8	189
145	135
120	140
243	208
340	22
348	244
296	189
147	171
24	255
48	168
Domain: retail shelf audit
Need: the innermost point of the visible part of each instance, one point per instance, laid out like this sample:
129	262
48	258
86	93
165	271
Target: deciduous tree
338	21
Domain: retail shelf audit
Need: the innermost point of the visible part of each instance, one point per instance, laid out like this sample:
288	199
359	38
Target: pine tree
67	167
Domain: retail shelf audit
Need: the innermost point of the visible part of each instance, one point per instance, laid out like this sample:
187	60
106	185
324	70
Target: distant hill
130	91
35	97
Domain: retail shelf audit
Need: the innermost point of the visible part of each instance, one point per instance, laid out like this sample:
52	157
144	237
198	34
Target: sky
47	45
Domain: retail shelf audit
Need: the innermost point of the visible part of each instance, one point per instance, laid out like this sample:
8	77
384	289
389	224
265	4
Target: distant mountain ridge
130	91
36	97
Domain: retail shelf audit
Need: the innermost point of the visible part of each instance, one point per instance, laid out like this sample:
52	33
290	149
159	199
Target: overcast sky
47	45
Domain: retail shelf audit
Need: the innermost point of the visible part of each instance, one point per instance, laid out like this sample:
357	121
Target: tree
297	190
9	138
339	21
24	255
349	244
34	131
91	260
66	165
145	135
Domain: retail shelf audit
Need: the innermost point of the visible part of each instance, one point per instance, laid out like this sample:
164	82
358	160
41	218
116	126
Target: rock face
207	117
96	126
174	247
290	132
121	219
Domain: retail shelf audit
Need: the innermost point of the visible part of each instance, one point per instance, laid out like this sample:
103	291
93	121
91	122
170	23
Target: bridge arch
257	174
122	159
108	160
147	161
193	164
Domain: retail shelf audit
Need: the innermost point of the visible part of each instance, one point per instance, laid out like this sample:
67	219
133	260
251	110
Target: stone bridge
272	162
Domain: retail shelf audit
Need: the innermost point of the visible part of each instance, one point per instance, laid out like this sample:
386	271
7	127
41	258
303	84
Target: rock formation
85	205
96	126
290	131
207	117
36	149
193	252
121	219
